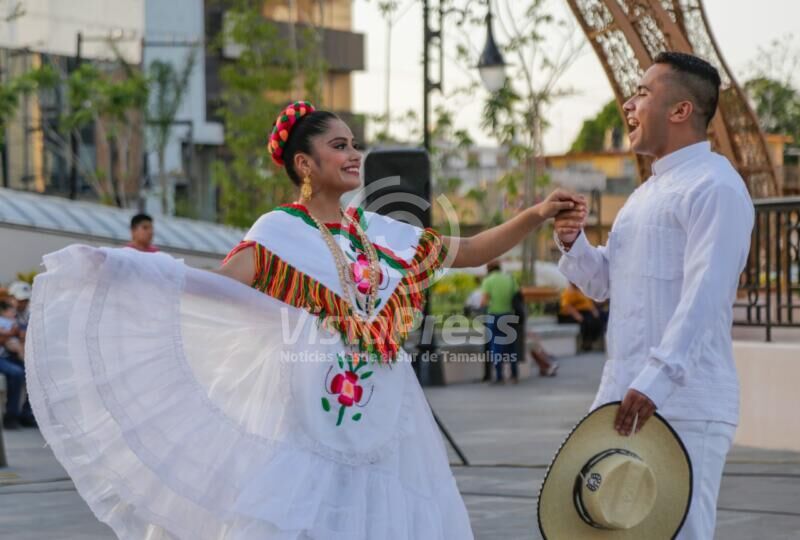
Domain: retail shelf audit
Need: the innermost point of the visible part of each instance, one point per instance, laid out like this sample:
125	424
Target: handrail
770	283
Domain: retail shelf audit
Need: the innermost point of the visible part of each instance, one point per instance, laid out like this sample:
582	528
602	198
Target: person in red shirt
142	233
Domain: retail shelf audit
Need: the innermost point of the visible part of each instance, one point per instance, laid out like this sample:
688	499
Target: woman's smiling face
336	163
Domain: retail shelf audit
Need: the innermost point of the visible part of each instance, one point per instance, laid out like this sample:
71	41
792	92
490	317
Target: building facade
35	154
143	31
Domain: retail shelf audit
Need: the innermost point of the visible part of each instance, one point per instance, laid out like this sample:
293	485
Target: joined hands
569	222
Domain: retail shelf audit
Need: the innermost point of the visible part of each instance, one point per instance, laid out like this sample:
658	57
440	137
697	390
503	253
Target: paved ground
508	433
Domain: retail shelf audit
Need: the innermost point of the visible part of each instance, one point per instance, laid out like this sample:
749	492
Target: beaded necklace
343	267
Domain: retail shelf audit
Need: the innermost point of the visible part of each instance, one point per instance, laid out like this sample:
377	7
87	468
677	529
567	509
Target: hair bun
283	127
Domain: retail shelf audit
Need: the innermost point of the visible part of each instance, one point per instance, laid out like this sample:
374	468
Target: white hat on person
20	290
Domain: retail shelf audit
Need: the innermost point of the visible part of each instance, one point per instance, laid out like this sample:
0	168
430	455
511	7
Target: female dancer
187	405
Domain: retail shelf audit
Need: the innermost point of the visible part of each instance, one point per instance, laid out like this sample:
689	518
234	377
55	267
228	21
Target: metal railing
769	291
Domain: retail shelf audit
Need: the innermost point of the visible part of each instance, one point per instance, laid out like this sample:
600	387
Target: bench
535	294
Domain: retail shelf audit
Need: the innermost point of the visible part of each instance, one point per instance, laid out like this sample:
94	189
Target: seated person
576	307
13	336
12	352
20	296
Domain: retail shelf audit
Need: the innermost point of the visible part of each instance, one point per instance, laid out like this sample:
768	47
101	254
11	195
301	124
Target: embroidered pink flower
361	272
345	385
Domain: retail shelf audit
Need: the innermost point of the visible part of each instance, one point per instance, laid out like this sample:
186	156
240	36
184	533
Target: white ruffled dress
185	405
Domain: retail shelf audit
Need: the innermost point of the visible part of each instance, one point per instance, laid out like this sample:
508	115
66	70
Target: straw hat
602	485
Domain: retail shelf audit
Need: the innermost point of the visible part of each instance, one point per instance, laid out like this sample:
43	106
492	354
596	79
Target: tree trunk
123	149
112	193
320	42
122	157
291	4
162	180
530	246
106	192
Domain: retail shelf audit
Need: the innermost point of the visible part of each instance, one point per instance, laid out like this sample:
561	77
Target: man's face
143	233
647	111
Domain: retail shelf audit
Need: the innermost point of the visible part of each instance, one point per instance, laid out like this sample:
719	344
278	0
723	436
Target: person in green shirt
498	293
499	289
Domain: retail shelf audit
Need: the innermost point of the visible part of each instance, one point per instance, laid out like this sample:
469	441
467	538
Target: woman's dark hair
300	137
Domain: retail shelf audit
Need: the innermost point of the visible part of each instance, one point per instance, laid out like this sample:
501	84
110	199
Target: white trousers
708	444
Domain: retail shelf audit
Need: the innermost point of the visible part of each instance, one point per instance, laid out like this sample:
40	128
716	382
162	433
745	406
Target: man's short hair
140	218
492	266
700	79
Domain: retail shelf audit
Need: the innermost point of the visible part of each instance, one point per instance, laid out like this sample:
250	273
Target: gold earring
305	190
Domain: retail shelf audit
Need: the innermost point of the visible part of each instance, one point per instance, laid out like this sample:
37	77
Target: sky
739	28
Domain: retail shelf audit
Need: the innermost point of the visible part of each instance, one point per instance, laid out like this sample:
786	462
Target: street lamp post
492	71
429	35
491	65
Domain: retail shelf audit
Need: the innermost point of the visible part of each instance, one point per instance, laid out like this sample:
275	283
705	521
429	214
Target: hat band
577	497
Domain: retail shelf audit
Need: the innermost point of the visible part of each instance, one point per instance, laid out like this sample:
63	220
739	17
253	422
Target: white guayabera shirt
671	269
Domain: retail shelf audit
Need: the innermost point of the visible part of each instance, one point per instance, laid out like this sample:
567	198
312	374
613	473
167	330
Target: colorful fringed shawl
275	240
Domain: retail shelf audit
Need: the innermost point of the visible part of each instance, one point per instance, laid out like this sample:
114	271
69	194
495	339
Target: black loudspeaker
397	183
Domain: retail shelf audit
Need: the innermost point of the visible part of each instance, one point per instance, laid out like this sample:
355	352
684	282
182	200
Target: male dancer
671	268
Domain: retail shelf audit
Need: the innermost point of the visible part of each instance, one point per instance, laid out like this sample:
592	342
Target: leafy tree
113	102
254	86
388	123
24	84
540	45
479	197
591	137
77	116
168	88
777	106
94	97
773	87
449	143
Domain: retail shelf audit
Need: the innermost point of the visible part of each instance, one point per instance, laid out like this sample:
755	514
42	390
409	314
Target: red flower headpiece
283	126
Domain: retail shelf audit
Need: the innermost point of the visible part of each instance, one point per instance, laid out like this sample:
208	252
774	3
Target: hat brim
657	444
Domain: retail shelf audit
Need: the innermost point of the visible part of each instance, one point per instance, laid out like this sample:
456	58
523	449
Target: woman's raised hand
494	242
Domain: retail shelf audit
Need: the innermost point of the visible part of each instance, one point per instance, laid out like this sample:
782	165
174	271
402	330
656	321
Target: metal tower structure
628	34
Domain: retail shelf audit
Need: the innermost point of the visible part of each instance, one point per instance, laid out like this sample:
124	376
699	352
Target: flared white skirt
185	405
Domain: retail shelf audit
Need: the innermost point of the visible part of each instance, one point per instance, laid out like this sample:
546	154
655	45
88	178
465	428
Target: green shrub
449	293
